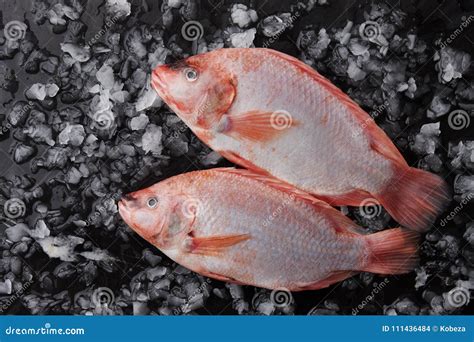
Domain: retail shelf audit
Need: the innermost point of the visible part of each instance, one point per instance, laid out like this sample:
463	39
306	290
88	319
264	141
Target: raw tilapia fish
271	113
238	226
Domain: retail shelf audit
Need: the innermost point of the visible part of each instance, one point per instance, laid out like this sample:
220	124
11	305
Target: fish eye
190	74
152	202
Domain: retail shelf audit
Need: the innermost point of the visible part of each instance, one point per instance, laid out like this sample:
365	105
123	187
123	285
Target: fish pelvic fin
392	251
334	277
414	197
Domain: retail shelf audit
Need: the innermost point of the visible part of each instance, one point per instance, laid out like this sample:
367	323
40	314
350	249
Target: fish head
156	214
199	89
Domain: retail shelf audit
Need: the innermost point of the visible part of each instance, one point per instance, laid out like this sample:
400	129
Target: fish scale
255	230
303	102
303	242
330	147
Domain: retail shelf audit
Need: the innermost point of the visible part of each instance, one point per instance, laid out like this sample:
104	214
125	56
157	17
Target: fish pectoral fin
212	245
334	277
259	126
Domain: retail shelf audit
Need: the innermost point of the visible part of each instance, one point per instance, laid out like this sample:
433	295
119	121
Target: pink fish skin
271	113
239	226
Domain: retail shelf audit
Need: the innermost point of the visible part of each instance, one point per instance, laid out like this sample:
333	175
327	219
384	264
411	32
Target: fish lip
156	78
123	210
159	85
156	75
127	197
125	203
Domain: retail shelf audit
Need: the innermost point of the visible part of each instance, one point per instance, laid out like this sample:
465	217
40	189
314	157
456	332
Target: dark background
428	18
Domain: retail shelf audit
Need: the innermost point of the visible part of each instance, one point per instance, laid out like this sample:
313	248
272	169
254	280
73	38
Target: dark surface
429	19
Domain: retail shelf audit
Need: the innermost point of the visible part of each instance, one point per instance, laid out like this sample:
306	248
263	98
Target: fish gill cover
81	126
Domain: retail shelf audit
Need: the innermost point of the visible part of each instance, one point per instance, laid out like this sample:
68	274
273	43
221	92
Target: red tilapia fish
239	226
271	113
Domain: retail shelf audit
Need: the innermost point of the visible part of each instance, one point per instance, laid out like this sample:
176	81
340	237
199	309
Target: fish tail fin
415	197
392	251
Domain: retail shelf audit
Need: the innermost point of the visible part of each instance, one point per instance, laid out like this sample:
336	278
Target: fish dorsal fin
341	223
380	142
273	182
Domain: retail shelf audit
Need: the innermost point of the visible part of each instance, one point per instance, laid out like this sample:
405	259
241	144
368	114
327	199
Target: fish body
271	113
238	226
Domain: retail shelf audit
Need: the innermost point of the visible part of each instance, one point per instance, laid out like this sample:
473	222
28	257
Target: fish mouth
124	211
127	197
157	81
125	208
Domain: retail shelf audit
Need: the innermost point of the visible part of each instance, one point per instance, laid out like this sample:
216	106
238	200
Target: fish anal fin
259	126
342	224
334	277
382	144
353	198
212	245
